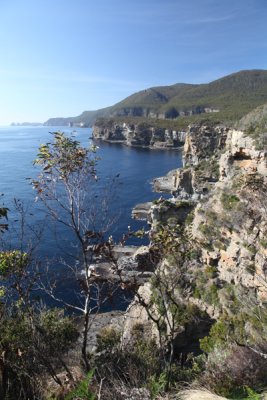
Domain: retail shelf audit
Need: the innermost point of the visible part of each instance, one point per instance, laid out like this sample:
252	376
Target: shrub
211	271
132	366
108	338
229	201
12	261
210	295
83	390
157	384
233	371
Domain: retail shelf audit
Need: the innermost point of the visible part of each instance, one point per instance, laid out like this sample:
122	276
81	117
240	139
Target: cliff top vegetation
233	96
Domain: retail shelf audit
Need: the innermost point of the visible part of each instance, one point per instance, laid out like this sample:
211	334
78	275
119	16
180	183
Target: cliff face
203	147
232	223
141	134
203	142
217	242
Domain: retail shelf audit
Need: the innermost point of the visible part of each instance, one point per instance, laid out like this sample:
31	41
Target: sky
59	58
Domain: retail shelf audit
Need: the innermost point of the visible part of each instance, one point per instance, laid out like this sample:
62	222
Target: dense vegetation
234	96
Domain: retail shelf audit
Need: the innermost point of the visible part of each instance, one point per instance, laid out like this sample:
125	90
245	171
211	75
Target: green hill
226	100
256	120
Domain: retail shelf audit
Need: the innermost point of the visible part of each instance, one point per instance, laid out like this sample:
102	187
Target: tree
168	307
70	189
33	340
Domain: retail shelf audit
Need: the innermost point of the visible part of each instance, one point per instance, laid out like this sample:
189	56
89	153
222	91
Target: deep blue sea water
137	168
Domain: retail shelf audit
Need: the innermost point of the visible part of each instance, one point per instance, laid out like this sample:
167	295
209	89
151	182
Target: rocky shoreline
206	258
143	135
213	157
149	147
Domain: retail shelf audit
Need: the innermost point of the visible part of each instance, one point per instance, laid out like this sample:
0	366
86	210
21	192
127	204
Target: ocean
135	169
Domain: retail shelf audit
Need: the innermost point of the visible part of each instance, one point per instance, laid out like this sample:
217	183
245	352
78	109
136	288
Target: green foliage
32	344
59	331
207	230
208	168
193	254
190	217
251	394
64	157
197	293
237	393
167	239
247	326
255	124
234	95
178	376
137	331
83	391
157	384
234	371
211	271
108	338
229	201
146	350
132	365
140	233
217	337
12	261
254	182
210	295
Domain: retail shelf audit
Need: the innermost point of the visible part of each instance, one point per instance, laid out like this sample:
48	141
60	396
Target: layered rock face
201	153
202	142
233	220
223	267
141	134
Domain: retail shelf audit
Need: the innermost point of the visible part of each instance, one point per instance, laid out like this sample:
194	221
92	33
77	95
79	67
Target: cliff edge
209	289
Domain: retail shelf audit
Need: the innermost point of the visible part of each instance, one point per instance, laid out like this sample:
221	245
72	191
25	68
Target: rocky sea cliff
138	135
207	253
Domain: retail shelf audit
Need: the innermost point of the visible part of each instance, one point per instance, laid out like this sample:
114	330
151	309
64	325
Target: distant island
26	124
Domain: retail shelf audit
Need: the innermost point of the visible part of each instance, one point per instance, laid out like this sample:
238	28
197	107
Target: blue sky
61	57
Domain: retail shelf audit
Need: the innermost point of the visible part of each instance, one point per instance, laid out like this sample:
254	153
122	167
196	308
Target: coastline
149	147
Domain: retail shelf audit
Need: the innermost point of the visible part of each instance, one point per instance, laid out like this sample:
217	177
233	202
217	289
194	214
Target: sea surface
134	169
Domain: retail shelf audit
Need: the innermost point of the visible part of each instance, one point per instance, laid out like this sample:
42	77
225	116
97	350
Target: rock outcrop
199	395
201	153
219	204
202	142
233	220
140	134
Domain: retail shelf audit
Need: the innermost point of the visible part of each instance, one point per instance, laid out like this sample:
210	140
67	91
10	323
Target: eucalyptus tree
74	196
